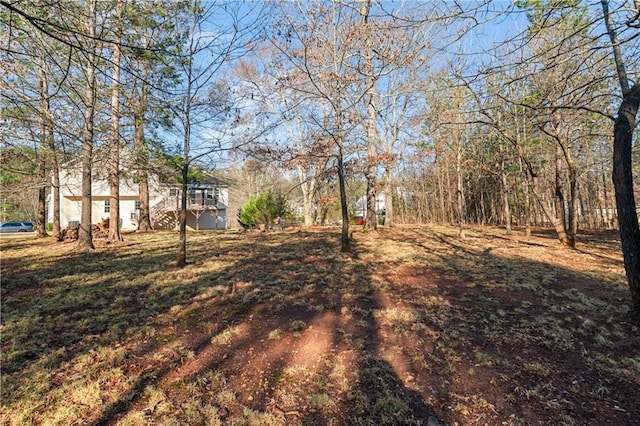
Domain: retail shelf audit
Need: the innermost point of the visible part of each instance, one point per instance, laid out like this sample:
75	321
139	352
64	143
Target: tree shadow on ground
248	320
521	338
281	328
379	395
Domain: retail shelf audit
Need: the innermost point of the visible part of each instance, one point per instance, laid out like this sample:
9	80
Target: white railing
161	212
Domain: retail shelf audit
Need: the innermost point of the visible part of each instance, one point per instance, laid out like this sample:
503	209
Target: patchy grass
281	328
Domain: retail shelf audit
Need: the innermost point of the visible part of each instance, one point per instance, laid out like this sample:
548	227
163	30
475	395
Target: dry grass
281	328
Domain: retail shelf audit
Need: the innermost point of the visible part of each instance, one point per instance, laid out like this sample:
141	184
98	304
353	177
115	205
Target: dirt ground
414	327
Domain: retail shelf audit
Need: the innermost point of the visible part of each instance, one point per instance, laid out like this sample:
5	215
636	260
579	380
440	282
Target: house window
173	192
208	194
107	206
137	205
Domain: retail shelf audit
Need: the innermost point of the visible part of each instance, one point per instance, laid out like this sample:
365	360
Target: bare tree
35	70
399	116
114	151
204	99
624	127
85	237
151	75
46	141
370	168
278	92
318	48
589	48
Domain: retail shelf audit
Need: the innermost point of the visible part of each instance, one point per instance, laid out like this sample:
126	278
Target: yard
414	327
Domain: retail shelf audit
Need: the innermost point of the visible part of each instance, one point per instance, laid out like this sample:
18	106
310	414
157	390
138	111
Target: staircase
163	214
162	217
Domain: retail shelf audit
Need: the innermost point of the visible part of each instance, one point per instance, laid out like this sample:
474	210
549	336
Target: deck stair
164	213
163	217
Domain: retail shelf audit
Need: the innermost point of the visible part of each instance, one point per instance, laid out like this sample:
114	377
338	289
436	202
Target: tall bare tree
85	237
370	168
317	43
46	141
34	67
278	91
114	151
623	131
218	33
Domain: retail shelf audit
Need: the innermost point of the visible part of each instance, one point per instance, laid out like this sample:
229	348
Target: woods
312	212
488	113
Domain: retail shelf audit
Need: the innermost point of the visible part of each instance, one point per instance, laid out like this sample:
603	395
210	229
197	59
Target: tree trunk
608	205
450	213
371	221
182	218
526	201
144	219
308	187
572	229
460	193
338	139
55	171
85	238
623	186
558	200
505	191
600	212
345	241
389	215
55	193
45	144
550	210
186	147
557	222
140	143
308	210
41	220
114	153
443	211
622	168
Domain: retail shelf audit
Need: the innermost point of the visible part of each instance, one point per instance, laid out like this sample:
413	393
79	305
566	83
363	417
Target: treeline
463	112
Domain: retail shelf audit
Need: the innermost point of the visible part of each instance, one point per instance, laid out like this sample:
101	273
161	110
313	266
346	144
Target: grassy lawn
415	326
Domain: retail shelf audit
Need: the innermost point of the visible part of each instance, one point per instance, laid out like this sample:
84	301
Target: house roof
208	181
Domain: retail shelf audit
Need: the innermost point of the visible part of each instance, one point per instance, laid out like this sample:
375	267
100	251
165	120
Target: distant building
361	205
206	201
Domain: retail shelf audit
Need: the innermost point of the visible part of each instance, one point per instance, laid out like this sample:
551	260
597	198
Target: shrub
265	207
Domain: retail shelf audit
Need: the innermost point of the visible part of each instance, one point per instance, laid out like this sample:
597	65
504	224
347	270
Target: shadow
79	300
521	339
281	328
379	396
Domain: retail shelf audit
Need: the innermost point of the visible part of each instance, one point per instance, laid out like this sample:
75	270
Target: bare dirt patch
416	326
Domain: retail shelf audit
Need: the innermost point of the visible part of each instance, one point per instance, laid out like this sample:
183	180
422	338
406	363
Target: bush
265	207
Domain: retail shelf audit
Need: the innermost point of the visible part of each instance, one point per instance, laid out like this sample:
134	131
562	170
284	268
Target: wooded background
460	112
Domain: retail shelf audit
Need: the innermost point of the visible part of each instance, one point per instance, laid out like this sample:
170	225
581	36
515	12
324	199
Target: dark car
16	227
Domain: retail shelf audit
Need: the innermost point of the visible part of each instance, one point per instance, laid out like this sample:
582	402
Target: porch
203	209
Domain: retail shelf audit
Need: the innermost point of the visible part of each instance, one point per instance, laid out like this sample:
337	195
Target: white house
207	205
361	205
206	201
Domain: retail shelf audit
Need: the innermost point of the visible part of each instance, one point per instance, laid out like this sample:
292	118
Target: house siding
71	203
